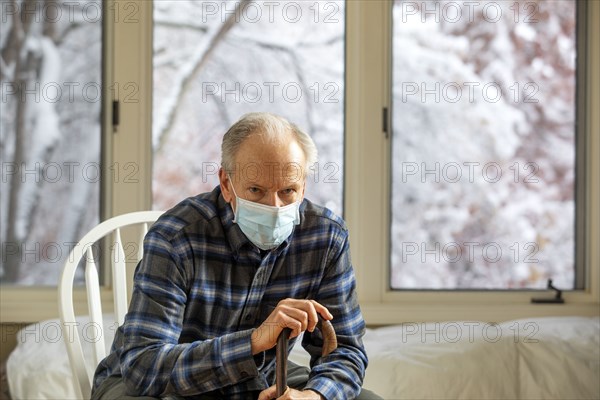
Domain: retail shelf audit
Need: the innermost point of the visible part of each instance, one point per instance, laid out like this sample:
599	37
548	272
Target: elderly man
224	272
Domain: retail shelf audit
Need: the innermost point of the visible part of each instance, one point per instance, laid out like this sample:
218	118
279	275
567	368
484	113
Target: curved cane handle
329	345
329	336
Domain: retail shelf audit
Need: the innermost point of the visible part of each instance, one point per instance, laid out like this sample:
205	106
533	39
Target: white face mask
265	226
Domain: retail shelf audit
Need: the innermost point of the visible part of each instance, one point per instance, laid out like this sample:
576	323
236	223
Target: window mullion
367	148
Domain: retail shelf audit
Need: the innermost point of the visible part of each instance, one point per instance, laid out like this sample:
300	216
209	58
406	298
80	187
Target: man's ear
303	191
225	185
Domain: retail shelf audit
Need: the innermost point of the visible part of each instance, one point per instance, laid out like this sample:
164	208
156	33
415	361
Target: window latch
115	114
557	299
385	124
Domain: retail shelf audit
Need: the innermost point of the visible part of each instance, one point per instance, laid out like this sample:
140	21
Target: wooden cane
329	344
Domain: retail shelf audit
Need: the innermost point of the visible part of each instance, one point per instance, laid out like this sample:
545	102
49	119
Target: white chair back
83	378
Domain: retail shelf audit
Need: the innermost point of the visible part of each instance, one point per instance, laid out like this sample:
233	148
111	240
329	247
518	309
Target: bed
537	358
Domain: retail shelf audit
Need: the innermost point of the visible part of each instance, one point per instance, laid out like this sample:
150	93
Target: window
50	81
237	57
483	189
369	180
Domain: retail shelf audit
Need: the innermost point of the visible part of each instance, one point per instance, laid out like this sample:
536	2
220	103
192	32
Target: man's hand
290	394
298	315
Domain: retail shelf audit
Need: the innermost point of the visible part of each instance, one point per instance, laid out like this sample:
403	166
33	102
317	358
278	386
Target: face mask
265	226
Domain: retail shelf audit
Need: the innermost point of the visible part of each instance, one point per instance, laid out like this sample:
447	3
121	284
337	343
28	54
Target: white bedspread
540	358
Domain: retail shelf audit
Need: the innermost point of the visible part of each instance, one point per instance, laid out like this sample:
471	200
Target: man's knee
297	376
113	388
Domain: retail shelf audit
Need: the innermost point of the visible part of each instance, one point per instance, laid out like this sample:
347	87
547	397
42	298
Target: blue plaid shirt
202	288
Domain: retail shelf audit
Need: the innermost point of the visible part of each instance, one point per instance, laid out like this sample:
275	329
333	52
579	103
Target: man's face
270	173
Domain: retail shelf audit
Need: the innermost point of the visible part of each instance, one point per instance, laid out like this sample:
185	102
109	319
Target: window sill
26	304
393	313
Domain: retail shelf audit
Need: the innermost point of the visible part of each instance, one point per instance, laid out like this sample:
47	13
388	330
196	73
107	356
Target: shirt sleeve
340	374
153	363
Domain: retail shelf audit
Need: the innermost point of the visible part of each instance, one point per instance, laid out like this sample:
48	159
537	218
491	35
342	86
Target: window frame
368	183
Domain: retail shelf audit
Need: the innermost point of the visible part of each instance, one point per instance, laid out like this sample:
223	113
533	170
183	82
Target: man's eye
287	191
254	190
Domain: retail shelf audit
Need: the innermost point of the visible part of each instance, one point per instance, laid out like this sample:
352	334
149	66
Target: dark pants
114	388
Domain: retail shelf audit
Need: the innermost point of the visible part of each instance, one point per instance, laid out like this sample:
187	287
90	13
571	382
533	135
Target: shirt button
244	374
248	317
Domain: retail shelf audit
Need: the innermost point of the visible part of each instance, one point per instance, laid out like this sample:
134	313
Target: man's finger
271	393
297	314
321	309
294	324
267	394
311	307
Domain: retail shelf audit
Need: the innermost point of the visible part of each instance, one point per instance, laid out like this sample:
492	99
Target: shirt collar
233	233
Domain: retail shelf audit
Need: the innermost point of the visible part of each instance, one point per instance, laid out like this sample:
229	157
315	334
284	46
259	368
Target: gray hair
273	127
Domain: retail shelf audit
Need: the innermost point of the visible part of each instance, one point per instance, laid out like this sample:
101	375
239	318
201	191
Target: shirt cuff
325	387
238	364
